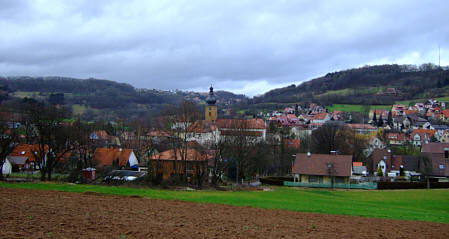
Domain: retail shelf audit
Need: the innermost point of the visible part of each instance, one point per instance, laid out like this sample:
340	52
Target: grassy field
407	102
355	108
423	205
348	91
78	109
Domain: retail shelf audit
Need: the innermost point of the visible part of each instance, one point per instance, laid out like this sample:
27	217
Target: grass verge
422	205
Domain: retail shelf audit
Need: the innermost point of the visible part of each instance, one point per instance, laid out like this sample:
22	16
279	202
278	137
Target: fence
367	185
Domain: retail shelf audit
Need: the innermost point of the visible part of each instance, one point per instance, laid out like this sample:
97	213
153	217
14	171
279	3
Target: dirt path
50	214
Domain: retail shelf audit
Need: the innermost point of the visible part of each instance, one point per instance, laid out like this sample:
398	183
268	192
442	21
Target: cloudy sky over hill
243	46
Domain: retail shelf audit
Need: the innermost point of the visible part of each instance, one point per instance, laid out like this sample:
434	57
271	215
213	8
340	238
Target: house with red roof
203	131
322	168
320	118
396	138
24	156
252	128
419	137
362	128
438	156
115	157
163	163
444	116
379	113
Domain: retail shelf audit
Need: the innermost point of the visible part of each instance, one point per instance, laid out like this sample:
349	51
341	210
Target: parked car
117	176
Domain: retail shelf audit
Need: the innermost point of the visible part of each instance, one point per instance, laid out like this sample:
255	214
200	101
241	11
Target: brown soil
51	214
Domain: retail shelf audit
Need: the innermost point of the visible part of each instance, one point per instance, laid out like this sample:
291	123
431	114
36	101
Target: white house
7	167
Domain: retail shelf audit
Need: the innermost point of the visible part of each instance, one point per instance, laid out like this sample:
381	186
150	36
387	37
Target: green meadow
356	108
422	205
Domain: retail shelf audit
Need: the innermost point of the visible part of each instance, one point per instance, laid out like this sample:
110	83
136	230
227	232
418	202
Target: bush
275	180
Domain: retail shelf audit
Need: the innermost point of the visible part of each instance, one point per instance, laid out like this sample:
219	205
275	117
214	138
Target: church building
211	108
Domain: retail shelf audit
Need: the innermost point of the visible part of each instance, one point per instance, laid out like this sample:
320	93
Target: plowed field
52	214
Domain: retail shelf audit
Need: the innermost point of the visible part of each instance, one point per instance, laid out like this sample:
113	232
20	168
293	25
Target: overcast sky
246	47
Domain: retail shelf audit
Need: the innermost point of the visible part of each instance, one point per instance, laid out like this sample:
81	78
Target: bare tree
187	113
8	139
325	139
53	139
425	166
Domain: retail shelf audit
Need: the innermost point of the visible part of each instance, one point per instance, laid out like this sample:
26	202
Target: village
310	146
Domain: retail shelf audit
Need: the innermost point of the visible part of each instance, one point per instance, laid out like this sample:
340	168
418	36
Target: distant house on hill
98	135
320	118
322	168
396	138
380	113
362	128
253	128
116	157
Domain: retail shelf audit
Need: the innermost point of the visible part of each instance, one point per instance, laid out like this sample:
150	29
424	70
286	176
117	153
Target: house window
441	166
313	179
446	154
339	180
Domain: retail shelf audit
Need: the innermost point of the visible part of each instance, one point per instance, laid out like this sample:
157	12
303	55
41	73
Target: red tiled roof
361	126
293	143
238	123
106	156
192	155
320	116
317	164
446	113
410	112
26	150
434	147
202	126
101	134
396	162
429	132
396	136
241	132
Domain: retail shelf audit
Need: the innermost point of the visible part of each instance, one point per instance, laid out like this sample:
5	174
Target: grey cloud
251	45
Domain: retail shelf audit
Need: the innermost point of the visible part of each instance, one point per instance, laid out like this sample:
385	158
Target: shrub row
275	180
411	185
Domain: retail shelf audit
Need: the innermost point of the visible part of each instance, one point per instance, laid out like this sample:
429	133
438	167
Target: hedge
275	180
411	185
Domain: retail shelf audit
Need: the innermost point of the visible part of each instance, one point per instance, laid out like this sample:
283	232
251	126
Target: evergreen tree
380	123
375	117
390	119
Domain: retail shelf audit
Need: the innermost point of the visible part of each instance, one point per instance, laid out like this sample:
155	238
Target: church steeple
211	108
211	100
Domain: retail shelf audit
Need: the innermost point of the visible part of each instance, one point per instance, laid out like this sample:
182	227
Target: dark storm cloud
243	46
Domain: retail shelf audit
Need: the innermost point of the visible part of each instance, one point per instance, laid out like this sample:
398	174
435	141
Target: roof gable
318	164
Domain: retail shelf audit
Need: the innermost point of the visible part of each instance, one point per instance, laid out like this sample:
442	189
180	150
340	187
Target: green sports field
423	205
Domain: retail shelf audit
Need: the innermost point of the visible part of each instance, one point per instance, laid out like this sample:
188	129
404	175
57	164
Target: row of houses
433	162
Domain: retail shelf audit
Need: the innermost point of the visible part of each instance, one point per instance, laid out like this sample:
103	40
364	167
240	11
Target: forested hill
94	98
366	85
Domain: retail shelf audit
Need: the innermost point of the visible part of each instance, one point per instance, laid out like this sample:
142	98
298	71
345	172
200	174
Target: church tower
211	108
